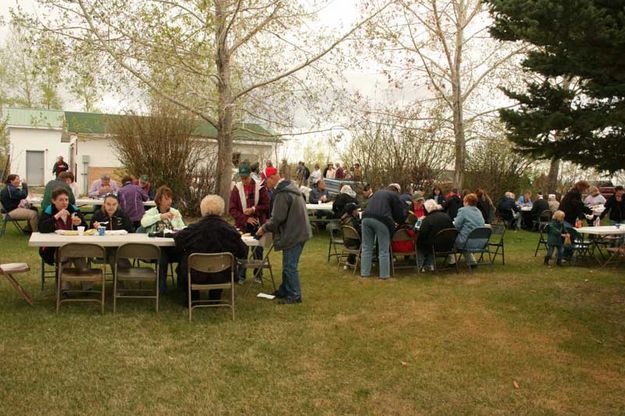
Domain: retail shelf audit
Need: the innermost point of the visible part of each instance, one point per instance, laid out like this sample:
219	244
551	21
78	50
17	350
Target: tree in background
395	146
442	47
581	42
161	146
227	61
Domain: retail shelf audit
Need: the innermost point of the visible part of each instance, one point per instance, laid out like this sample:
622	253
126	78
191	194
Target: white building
37	137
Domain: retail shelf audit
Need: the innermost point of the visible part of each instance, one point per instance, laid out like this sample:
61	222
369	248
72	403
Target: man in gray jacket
291	229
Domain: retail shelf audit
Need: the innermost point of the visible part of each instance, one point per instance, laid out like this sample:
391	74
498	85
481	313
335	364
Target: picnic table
596	234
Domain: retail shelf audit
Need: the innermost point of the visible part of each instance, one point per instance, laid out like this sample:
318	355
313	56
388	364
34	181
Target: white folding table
601	231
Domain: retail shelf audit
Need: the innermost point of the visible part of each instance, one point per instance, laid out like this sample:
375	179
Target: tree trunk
552	178
460	147
226	106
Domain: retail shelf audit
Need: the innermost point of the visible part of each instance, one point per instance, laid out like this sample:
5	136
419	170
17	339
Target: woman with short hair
211	234
468	219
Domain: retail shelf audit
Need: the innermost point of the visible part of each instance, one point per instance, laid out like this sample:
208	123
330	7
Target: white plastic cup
81	230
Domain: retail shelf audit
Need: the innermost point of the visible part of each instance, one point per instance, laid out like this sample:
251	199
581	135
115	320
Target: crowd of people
265	201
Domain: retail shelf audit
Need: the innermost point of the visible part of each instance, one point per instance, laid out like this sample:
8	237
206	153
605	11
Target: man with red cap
291	229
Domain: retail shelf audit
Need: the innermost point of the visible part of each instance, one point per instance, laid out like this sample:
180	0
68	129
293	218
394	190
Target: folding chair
7	270
542	241
47	274
616	254
266	242
444	245
210	263
6	218
496	242
543	220
476	242
141	275
402	234
76	275
582	249
335	240
351	239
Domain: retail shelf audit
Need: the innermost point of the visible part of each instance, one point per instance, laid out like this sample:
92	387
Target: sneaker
258	280
430	268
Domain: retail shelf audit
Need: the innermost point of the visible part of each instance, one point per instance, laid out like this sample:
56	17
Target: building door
34	168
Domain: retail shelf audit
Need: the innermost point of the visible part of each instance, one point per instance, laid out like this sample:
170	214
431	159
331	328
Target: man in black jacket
615	205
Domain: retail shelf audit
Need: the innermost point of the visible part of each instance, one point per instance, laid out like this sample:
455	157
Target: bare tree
443	47
225	61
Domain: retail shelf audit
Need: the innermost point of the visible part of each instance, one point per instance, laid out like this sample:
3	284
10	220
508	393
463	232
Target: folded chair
210	263
79	276
134	275
8	270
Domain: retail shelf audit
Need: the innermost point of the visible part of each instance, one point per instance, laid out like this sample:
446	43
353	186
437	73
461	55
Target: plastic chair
444	245
210	263
351	239
76	275
147	252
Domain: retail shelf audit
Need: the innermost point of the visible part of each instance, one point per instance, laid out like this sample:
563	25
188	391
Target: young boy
555	236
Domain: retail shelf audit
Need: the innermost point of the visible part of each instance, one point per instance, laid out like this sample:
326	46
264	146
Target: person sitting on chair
435	220
211	234
469	218
112	217
345	197
13	197
351	217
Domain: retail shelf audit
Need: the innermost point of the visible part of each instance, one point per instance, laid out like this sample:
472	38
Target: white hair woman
211	234
435	220
346	196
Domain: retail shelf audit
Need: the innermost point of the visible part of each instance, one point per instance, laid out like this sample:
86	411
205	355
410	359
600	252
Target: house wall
34	139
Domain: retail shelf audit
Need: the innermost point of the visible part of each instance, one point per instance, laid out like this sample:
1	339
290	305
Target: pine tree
576	111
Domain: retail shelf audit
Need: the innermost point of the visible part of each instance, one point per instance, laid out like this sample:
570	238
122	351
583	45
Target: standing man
291	229
59	166
249	206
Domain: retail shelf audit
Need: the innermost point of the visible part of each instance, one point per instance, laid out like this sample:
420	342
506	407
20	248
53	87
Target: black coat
211	234
573	206
452	205
616	209
386	207
538	207
432	224
338	207
48	224
119	220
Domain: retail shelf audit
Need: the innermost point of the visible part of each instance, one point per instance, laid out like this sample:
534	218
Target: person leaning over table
574	209
435	220
61	215
158	219
63	180
615	205
104	185
12	195
384	210
211	234
291	229
346	196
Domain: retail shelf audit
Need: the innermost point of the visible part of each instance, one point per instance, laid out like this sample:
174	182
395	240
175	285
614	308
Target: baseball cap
270	171
244	170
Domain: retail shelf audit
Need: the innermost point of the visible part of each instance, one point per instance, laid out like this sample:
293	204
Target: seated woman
112	217
211	234
351	217
158	219
346	196
468	219
61	215
435	220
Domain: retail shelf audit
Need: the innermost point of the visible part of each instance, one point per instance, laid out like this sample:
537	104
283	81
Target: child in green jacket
555	237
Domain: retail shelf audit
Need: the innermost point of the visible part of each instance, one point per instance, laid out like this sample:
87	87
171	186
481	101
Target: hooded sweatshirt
289	218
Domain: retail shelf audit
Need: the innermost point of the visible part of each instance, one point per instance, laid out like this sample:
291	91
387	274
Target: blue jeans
290	287
372	229
558	249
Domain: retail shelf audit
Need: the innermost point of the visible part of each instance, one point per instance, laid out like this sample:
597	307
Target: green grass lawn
519	339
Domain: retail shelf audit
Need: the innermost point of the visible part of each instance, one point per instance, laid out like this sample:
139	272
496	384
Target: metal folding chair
140	275
335	240
402	234
266	242
496	243
77	275
476	242
351	239
444	245
6	218
7	270
210	263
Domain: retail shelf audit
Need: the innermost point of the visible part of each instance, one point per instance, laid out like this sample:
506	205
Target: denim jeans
290	287
372	229
558	249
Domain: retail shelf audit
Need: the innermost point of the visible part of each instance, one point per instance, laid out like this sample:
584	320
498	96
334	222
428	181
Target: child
555	234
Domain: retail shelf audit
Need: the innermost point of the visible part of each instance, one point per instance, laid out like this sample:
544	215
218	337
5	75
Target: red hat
270	171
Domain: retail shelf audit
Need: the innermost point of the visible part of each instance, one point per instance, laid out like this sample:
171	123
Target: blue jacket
386	207
468	219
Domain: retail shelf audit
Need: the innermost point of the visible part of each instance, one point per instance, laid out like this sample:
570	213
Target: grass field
520	339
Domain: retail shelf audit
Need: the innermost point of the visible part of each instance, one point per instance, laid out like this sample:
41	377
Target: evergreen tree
577	111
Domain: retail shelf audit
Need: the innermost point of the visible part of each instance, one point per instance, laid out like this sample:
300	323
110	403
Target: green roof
95	123
32	117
